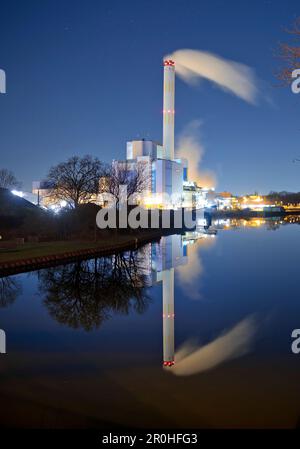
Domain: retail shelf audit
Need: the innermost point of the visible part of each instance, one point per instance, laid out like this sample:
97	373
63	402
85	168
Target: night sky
85	76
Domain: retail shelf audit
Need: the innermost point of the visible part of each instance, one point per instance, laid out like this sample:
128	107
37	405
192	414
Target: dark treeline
284	197
46	226
78	182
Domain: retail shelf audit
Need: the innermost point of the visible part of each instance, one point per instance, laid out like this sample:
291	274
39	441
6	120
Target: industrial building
166	174
160	261
167	186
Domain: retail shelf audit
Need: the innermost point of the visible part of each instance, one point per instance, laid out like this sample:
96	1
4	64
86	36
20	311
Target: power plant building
167	175
167	186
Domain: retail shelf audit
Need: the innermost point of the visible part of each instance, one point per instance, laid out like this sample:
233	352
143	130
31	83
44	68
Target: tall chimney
169	109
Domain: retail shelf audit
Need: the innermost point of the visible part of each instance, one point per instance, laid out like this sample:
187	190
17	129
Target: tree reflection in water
88	292
10	288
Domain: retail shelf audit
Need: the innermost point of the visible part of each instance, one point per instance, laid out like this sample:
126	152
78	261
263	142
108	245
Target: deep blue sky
85	76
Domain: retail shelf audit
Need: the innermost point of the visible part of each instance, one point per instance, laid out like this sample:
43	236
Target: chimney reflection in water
169	254
168	316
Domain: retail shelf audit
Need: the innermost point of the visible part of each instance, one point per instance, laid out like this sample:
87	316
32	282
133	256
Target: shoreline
53	253
250	214
32	256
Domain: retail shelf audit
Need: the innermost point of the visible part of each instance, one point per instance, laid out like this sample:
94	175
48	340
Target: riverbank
32	256
22	257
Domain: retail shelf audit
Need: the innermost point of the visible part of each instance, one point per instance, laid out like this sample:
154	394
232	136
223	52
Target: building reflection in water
167	255
86	293
270	223
170	253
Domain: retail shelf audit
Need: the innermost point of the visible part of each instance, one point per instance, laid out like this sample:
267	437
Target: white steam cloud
230	76
189	274
235	343
189	147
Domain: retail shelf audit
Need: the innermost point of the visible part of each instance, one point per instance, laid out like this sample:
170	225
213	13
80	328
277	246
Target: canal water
193	332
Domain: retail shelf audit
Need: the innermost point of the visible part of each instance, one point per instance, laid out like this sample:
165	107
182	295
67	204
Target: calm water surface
87	342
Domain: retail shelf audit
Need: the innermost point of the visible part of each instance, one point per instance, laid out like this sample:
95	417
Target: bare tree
134	175
86	293
10	288
289	53
8	179
76	180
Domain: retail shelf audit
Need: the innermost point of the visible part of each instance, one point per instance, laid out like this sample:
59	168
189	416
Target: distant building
42	190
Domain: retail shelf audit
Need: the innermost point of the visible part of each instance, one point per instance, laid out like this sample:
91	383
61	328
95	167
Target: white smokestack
169	109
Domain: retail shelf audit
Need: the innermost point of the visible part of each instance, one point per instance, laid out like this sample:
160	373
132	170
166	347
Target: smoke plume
190	148
235	343
188	275
230	76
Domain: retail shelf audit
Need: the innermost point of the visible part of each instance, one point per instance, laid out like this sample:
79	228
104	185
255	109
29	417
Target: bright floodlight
17	193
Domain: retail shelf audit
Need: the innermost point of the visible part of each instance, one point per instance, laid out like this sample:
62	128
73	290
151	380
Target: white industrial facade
139	148
165	175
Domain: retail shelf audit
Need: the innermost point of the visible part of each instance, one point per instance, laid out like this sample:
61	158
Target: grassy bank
33	256
44	249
